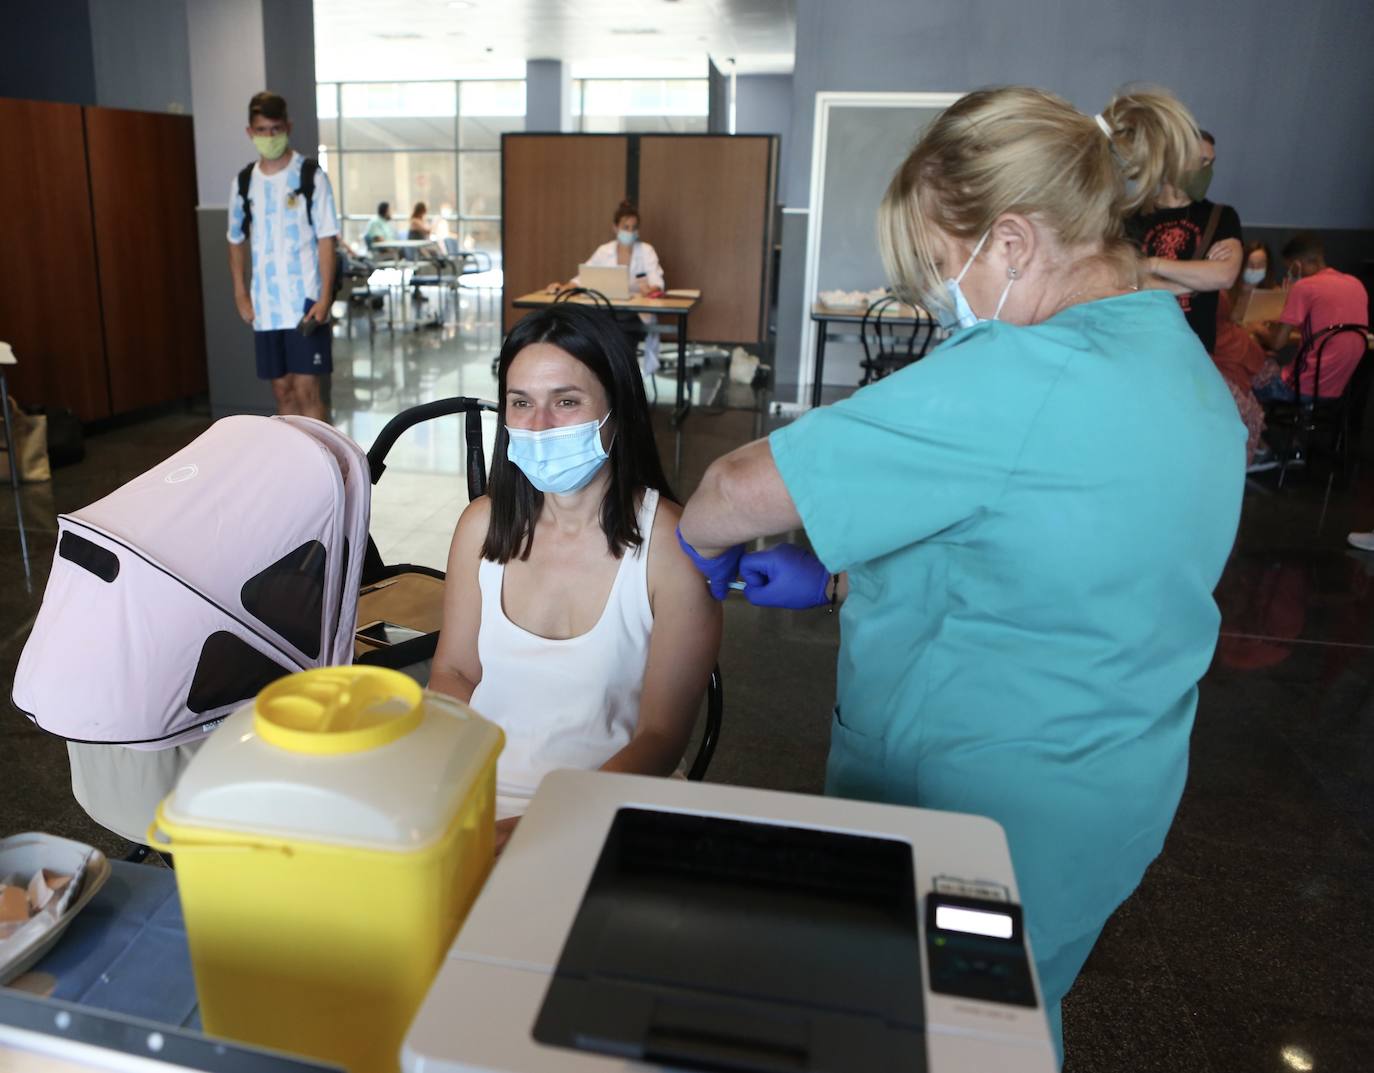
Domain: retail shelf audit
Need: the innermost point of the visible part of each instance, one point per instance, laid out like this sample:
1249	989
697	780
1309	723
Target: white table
404	265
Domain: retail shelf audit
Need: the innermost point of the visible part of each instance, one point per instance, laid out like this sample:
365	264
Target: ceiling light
461	5
639	31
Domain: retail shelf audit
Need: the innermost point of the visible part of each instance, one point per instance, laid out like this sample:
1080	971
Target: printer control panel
975	948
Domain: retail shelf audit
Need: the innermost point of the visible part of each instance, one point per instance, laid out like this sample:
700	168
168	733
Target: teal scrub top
1033	520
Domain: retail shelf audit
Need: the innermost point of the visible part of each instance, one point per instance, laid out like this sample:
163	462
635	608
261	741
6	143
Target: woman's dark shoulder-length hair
593	338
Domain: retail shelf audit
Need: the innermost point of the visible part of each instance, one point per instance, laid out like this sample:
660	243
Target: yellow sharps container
329	838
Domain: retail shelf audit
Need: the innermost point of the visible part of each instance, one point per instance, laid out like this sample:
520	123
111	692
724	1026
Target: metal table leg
13	458
684	401
818	373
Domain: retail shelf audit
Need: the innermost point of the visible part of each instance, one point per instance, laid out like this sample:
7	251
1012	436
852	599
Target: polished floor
1249	947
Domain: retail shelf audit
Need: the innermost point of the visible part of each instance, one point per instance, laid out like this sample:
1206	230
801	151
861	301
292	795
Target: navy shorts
288	351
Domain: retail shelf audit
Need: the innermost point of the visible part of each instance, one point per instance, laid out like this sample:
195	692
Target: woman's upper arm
457	649
685	641
653	271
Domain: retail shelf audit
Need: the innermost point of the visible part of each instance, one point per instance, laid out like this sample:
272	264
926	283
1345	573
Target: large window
405	142
641	105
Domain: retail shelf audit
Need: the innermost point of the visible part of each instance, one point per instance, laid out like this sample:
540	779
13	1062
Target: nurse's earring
1013	274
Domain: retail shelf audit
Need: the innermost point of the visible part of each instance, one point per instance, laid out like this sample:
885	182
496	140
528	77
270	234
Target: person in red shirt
1320	298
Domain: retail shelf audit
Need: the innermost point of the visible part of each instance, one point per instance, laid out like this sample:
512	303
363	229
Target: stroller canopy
180	595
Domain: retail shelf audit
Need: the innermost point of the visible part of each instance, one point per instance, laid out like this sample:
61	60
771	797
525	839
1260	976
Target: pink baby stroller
180	595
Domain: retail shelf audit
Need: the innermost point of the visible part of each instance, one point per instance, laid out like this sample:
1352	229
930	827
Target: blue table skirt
126	951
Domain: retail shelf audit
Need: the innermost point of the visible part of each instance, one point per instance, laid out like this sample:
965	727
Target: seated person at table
1319	298
419	221
571	616
646	274
379	227
1254	276
1238	357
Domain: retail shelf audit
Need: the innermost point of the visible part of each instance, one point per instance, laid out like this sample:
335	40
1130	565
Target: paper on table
47	898
685	292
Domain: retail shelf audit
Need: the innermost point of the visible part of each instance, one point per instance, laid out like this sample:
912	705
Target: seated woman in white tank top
572	618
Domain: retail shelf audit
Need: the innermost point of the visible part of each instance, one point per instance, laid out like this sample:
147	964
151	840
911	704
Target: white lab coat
643	259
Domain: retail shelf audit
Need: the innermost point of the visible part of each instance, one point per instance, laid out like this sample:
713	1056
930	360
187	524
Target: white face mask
1253	276
958	313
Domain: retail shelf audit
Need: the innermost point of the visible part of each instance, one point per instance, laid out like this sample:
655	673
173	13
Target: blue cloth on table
126	951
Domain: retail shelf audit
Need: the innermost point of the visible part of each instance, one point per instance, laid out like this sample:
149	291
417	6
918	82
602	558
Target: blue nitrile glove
784	576
720	571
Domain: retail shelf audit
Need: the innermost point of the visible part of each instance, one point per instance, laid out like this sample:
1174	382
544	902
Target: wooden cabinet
50	294
143	194
101	296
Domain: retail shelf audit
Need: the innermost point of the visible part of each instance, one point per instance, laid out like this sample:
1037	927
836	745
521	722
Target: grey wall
763	105
45	52
718	105
288	45
227	68
234	384
548	96
141	61
1292	148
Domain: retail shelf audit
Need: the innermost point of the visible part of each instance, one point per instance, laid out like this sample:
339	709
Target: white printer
637	923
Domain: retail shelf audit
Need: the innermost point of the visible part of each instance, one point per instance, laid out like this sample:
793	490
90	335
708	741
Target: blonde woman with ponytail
1191	245
1024	528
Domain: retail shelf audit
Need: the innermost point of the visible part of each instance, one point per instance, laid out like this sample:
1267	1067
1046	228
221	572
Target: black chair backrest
472	409
1313	349
900	343
476	463
710	736
593	297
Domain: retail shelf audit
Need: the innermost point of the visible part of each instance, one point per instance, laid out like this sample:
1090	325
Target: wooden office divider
558	194
143	193
706	203
49	297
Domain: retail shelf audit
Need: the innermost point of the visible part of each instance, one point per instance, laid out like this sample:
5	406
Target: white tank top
571	703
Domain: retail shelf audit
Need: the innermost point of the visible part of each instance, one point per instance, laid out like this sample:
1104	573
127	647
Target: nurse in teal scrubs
1024	528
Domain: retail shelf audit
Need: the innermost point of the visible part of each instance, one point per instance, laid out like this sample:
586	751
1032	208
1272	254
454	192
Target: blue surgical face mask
957	313
1253	276
558	461
626	238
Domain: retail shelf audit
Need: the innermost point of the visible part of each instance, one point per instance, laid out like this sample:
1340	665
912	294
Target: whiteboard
860	139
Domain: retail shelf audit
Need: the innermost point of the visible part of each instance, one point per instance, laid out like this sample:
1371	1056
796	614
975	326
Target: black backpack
307	190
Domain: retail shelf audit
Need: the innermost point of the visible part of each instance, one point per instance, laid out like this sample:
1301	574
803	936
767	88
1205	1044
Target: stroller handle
417	415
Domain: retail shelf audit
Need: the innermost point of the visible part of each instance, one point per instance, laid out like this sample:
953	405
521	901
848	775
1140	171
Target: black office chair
1295	427
893	346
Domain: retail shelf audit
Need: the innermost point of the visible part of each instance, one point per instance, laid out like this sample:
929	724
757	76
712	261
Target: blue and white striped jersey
285	251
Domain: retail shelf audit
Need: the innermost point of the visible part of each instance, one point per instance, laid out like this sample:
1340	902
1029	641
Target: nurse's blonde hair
1157	139
1009	149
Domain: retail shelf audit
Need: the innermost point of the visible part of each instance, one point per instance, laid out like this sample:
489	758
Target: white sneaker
1363	541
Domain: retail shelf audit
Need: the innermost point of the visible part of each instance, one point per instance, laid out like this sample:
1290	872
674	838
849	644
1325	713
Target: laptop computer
612	281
